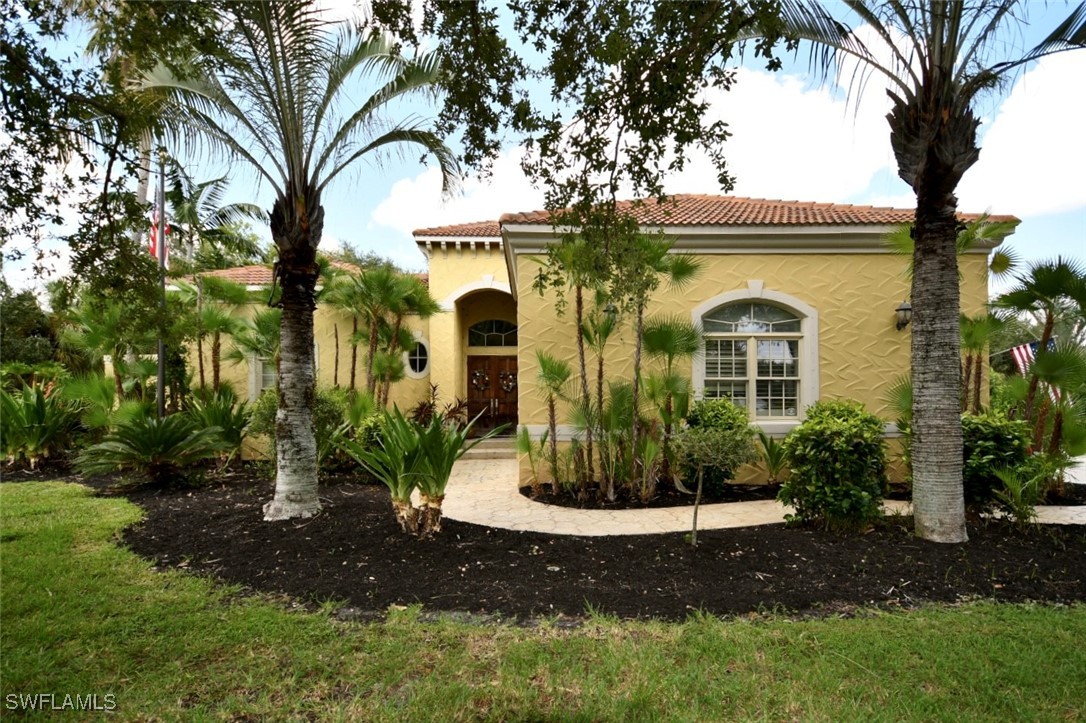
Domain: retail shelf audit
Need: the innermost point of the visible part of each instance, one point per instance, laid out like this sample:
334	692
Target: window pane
735	391
725	358
268	376
777	359
749	318
418	358
777	398
492	332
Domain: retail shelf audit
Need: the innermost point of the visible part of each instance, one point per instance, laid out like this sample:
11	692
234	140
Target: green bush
329	414
35	422
720	424
990	442
161	450
838	467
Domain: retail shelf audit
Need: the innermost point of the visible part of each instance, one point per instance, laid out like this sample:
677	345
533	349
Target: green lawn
81	616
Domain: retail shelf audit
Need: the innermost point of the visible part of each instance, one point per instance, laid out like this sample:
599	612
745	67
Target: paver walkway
484	492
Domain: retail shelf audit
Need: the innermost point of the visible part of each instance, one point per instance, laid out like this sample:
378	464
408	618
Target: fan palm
273	102
553	377
671	338
939	65
976	332
203	224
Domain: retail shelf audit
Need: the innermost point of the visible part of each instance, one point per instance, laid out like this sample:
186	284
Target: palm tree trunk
552	422
216	360
354	351
371	380
295	444
607	486
967	382
938	503
585	394
200	329
636	394
977	379
335	363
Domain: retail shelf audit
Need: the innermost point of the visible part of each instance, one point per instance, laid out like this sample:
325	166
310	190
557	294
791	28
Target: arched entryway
487	321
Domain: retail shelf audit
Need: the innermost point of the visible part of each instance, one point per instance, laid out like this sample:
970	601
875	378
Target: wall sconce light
904	314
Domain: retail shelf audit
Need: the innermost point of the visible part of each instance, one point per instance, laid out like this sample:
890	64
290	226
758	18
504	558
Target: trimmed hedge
727	426
837	458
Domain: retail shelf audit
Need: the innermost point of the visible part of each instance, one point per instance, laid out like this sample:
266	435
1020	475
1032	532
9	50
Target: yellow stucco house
797	302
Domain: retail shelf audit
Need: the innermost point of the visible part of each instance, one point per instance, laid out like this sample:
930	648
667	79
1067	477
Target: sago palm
938	57
276	102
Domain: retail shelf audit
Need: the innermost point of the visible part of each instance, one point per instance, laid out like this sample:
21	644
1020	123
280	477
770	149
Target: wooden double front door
492	391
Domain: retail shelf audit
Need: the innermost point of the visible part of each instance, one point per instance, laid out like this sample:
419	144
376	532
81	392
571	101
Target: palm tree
415	301
553	376
216	301
1044	292
670	338
204	225
976	333
647	263
939	65
273	103
596	330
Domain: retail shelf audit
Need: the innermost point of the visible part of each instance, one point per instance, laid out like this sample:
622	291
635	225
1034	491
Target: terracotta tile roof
707	210
475	229
255	275
258	275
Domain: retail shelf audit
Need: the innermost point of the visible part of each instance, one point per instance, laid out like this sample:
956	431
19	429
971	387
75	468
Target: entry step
494	448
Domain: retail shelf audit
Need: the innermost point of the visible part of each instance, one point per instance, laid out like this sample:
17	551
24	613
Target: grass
80	615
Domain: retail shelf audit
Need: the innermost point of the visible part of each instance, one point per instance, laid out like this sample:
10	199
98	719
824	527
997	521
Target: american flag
1023	357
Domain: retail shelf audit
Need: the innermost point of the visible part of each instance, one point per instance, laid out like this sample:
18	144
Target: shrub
329	414
413	457
35	422
158	449
838	467
221	409
728	428
990	442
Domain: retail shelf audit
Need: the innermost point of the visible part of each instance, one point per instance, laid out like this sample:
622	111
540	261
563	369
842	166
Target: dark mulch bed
355	553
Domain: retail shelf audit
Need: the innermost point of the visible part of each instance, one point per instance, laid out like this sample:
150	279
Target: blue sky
793	139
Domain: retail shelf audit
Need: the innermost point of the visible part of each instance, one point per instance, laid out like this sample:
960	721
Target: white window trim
808	348
408	371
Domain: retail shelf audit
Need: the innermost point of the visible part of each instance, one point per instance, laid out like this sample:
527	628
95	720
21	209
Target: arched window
492	332
753	357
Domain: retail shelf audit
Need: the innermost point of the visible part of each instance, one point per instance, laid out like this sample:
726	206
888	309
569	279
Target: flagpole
160	243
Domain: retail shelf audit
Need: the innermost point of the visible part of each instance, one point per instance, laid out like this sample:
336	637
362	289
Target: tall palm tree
273	102
940	63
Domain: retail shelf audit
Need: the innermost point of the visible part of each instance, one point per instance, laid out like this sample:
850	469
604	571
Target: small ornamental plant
410	456
837	458
729	427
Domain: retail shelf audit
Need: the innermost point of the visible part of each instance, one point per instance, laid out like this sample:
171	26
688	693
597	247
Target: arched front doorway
488	336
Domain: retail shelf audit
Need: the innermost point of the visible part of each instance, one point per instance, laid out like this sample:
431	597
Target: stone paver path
484	492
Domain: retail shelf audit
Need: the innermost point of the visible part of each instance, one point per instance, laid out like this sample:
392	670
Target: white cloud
795	142
408	206
792	142
1033	154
